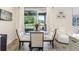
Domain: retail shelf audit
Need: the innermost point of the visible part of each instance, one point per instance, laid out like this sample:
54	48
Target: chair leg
52	44
29	45
30	49
41	48
19	45
22	43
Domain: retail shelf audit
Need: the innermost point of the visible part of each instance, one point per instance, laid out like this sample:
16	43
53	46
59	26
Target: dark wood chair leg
39	49
30	49
22	43
29	45
42	48
19	45
52	44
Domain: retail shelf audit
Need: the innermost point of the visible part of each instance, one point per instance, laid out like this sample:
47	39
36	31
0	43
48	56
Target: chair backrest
61	30
54	36
17	34
36	39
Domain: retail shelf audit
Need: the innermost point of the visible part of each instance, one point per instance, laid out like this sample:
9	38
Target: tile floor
47	47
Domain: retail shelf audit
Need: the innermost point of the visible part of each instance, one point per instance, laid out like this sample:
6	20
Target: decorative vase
36	27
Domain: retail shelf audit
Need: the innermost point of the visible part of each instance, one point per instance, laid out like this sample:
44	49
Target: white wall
8	27
76	11
21	19
53	22
49	19
16	16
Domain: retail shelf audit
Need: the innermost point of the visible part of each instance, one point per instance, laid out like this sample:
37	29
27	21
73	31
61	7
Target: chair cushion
48	37
63	38
24	37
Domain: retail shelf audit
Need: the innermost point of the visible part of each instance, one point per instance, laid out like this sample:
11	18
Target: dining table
45	33
47	36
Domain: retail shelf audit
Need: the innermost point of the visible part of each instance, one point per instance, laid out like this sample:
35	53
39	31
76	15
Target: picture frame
5	15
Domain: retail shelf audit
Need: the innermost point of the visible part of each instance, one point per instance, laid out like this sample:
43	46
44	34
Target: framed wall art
5	15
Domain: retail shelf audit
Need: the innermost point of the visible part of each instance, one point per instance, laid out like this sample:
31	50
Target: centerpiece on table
36	26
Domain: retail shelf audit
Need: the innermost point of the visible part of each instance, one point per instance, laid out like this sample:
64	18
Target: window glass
75	21
29	20
31	17
41	19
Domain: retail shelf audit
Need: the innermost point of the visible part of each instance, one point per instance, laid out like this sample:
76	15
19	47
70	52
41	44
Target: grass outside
29	22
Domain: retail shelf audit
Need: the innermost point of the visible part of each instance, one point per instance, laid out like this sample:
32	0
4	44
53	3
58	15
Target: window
75	21
31	17
29	20
41	20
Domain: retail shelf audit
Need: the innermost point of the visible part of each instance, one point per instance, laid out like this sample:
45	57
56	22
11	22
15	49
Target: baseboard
13	45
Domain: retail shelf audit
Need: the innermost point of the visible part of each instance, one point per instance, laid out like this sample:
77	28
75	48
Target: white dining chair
62	36
50	37
36	40
22	38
